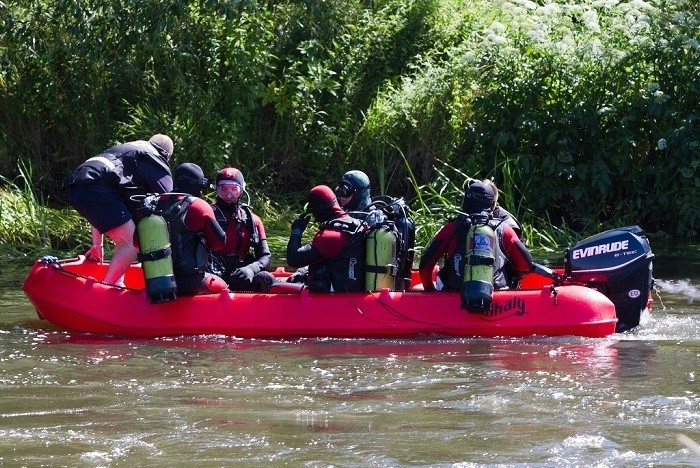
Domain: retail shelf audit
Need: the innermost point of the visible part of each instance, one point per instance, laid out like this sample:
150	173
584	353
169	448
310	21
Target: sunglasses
344	190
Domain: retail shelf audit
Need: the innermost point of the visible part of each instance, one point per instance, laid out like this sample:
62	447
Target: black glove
299	276
299	224
241	278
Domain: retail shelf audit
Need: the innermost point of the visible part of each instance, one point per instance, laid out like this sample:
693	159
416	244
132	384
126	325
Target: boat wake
681	287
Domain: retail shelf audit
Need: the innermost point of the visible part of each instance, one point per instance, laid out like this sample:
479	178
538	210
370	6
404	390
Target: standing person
194	231
501	213
450	243
242	269
354	196
335	255
100	190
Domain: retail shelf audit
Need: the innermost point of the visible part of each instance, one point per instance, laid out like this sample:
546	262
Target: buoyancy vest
345	271
501	213
190	255
247	221
452	273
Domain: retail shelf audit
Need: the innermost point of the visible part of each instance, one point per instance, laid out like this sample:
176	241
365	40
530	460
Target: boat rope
398	314
358	308
391	310
58	265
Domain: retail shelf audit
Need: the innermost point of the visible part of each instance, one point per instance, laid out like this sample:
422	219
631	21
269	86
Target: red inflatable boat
590	302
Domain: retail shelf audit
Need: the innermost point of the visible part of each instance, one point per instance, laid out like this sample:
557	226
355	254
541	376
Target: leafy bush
584	112
569	106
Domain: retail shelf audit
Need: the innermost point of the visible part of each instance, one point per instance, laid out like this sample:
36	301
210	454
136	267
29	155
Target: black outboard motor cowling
618	263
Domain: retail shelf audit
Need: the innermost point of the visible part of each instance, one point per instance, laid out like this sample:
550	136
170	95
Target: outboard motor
618	263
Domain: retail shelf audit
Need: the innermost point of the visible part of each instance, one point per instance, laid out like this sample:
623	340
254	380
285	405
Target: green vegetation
29	227
583	112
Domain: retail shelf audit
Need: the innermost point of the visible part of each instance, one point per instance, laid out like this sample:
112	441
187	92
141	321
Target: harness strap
155	255
479	260
391	270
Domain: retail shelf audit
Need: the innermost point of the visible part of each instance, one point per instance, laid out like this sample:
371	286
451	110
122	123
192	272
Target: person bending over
100	189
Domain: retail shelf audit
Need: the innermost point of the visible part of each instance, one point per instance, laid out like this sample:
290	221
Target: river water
628	400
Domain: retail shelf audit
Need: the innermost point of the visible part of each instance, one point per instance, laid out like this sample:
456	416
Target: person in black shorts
100	189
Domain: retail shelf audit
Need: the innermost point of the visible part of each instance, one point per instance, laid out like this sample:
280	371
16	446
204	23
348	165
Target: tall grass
440	200
28	226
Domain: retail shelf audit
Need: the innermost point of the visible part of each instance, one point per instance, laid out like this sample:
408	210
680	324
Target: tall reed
29	226
440	200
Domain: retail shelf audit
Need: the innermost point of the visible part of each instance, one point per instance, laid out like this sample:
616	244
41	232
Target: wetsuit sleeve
431	255
301	255
200	218
262	257
215	236
519	256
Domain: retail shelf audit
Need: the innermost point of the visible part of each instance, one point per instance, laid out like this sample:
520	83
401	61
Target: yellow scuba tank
155	254
477	286
380	258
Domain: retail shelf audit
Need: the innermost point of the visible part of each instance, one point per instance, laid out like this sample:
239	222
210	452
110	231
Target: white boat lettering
601	249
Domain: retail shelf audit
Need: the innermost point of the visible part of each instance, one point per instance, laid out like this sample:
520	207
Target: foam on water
681	287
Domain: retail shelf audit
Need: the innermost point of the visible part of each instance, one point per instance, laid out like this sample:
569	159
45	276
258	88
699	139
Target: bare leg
124	252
